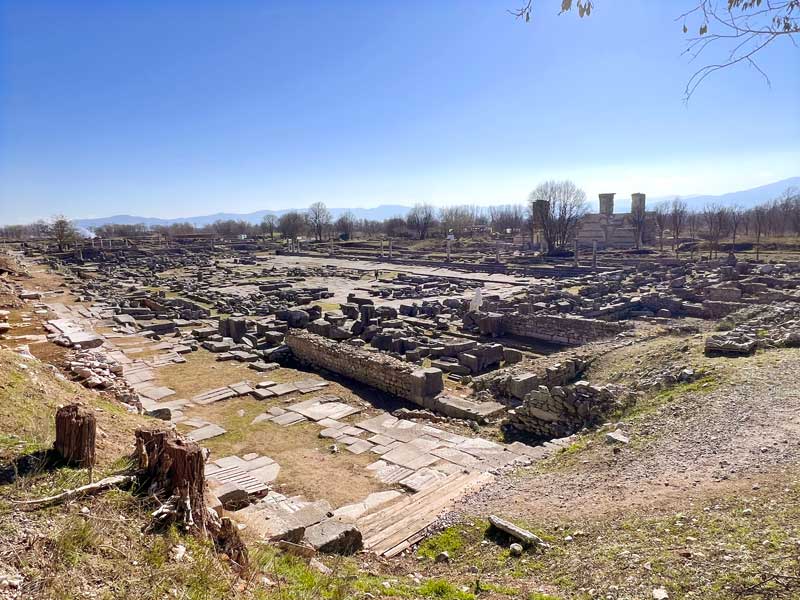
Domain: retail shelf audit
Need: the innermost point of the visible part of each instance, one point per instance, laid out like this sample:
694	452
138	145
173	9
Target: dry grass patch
308	467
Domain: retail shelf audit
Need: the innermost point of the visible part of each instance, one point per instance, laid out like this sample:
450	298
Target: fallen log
84	490
525	537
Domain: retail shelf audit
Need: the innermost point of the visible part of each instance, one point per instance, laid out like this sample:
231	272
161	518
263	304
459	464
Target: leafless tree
677	219
559	215
268	224
714	219
734	215
346	224
759	224
421	219
395	227
741	27
507	217
457	219
291	224
319	217
662	219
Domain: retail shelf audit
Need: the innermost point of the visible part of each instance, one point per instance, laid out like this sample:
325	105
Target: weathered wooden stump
174	469
76	428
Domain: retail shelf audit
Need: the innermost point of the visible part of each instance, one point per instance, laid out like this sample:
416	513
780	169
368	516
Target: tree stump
174	469
75	435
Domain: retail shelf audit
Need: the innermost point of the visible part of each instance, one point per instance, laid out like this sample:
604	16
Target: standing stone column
594	254
381	248
575	251
497	251
331	246
390	249
448	250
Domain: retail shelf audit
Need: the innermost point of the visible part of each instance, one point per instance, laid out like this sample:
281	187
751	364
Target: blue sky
174	108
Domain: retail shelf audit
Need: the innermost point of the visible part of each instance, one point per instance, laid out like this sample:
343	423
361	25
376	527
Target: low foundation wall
418	385
567	330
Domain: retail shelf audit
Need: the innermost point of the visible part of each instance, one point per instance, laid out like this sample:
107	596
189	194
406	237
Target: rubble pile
560	411
95	369
773	326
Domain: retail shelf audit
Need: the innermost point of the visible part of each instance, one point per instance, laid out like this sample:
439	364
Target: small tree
759	224
291	224
268	224
64	231
395	227
558	216
319	217
662	217
734	217
421	219
677	218
346	224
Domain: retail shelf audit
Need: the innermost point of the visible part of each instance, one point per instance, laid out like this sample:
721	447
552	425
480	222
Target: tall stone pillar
575	251
390	249
381	248
331	246
594	254
497	251
638	202
448	250
607	204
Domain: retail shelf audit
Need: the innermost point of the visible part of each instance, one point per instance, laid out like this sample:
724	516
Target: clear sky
180	108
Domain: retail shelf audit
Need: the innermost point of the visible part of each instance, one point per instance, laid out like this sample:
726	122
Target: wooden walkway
395	528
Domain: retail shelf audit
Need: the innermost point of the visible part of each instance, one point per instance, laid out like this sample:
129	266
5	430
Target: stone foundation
566	330
378	370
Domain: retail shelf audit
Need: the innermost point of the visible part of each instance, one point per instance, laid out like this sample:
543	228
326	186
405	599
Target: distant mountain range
744	198
379	213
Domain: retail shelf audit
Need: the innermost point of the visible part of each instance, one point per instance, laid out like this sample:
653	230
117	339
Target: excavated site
361	398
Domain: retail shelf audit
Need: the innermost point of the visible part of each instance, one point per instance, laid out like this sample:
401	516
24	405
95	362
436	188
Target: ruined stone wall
519	380
372	368
567	330
561	411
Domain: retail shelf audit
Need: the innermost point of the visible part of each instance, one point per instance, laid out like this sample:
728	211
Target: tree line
553	212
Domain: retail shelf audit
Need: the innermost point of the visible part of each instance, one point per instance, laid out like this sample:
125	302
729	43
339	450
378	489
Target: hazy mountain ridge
744	198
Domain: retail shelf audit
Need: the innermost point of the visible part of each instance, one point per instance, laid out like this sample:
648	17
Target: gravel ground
698	444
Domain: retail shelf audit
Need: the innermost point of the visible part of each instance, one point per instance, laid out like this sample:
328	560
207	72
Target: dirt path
741	434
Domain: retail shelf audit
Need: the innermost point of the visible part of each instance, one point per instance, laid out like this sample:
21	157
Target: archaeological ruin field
466	417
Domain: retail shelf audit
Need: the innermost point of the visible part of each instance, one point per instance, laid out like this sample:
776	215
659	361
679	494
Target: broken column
448	250
390	249
575	251
594	254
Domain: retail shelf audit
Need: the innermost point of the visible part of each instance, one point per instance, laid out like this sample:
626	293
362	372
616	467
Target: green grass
443	590
451	540
74	540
